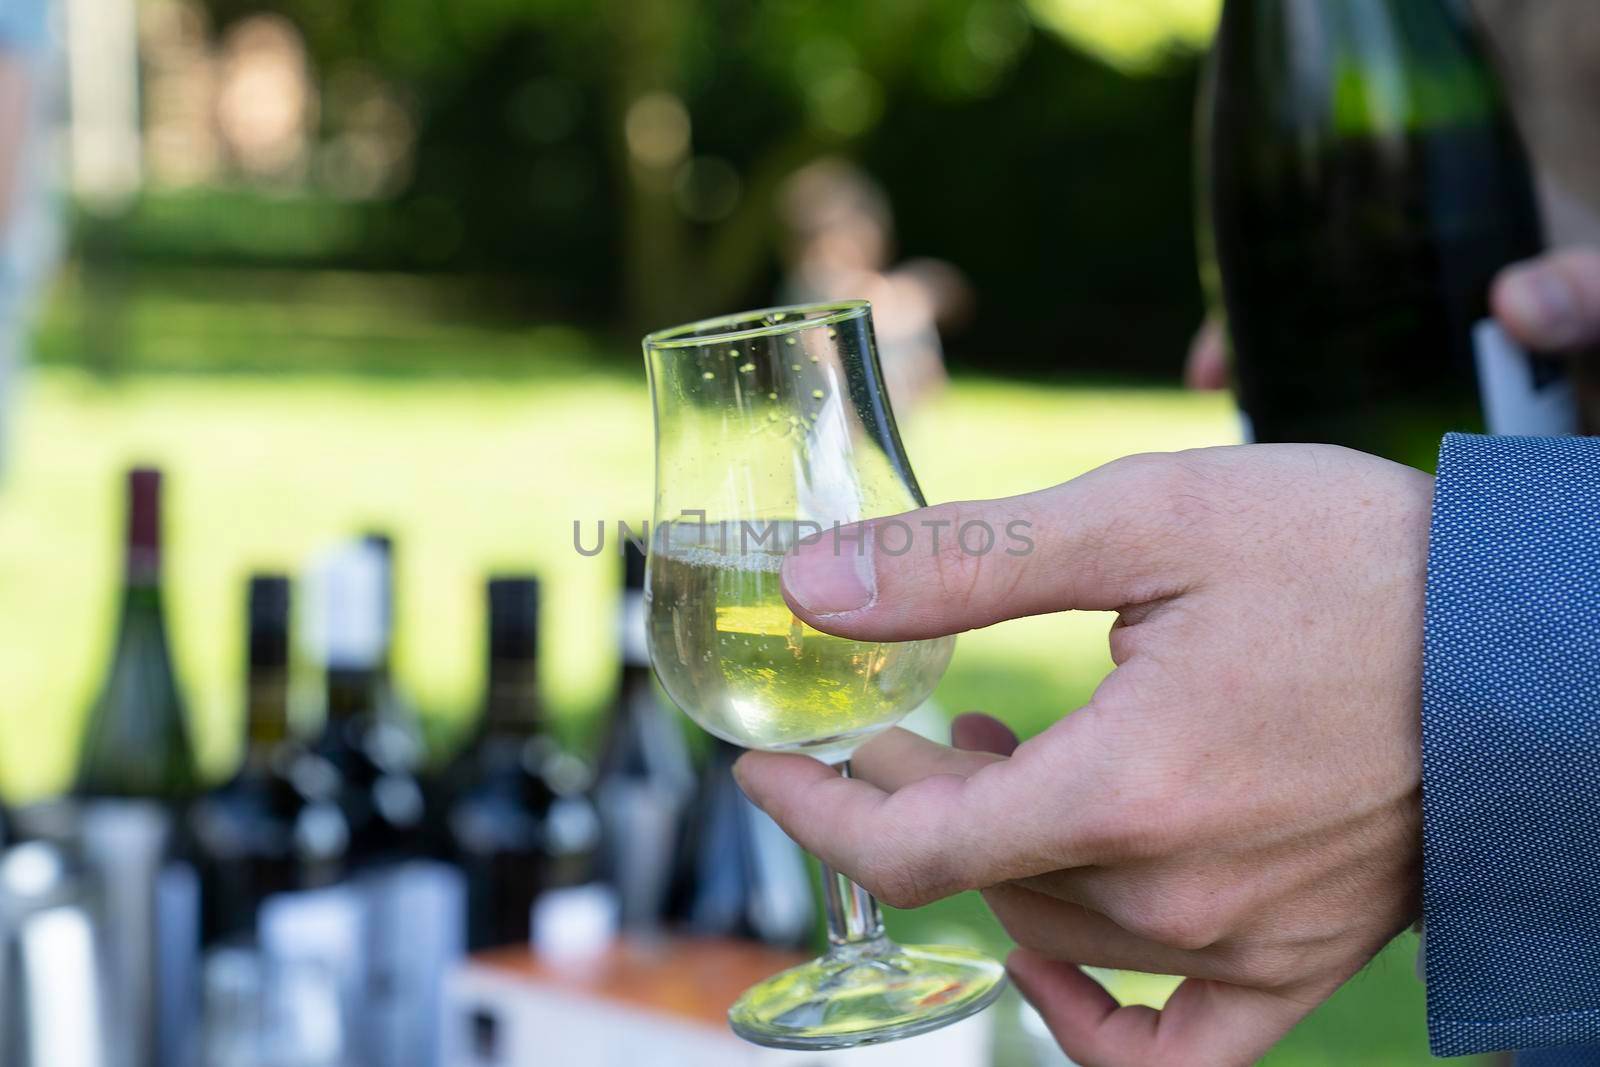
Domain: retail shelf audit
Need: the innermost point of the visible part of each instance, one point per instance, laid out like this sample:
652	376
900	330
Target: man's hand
1551	304
1238	803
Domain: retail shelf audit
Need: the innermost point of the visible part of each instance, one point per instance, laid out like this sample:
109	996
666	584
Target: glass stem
853	917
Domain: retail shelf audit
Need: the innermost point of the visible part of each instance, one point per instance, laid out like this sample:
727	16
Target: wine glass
773	427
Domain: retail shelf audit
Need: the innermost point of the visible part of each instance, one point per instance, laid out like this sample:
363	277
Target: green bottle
137	742
1361	184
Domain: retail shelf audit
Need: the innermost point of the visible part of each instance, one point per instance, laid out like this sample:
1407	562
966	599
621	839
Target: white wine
736	659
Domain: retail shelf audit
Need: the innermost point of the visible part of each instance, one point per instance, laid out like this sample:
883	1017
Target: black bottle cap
514	617
269	620
633	566
379	540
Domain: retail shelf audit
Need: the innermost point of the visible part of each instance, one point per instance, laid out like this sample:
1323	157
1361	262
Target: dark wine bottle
1361	184
514	826
739	875
275	827
645	776
373	756
137	742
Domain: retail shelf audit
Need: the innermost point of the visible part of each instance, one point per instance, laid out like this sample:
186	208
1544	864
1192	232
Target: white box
657	1005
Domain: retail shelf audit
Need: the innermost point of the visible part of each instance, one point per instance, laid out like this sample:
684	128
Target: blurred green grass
476	473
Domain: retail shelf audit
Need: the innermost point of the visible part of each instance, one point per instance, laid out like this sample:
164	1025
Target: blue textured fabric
1511	748
1559	1057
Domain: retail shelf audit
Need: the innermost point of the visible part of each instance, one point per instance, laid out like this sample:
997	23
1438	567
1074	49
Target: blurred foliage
1042	146
1133	36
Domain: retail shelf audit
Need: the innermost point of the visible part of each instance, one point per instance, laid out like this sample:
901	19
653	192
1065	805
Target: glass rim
688	335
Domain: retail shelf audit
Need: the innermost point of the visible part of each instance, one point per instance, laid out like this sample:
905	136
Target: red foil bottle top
144	520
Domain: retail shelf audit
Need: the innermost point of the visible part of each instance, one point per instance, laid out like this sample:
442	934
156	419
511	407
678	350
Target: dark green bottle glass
514	826
275	826
644	778
137	741
374	755
1361	184
738	875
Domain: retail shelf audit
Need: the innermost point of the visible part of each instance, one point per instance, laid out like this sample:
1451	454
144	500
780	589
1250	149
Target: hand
1206	367
1238	803
1551	304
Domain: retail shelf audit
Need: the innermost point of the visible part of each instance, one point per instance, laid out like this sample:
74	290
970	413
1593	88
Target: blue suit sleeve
1511	746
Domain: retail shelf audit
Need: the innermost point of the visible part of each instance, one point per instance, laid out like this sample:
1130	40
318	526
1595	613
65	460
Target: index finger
939	834
1102	541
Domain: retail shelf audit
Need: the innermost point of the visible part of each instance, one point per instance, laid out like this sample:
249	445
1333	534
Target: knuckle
957	570
1133	826
1174	490
1269	968
1174	924
897	885
1585	262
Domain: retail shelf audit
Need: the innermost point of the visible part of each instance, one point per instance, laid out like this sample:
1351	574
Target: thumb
1204	1022
1551	304
1099	542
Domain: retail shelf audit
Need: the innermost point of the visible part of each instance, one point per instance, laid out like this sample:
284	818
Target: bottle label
635	646
416	935
1523	394
784	910
642	819
313	955
56	949
177	958
347	621
575	923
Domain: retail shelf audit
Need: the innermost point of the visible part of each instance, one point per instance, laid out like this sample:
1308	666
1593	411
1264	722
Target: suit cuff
1511	745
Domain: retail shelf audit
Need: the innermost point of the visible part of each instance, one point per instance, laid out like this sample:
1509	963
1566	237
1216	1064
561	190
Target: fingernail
1544	298
828	582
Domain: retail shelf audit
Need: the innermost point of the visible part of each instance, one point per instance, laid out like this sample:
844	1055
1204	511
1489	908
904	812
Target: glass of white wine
773	427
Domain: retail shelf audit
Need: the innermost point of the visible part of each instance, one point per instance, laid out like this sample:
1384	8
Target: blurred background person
840	245
26	233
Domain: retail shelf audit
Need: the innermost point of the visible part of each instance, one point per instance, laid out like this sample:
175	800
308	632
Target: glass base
865	994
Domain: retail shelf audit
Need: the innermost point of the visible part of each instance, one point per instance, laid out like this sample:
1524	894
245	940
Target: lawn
479	473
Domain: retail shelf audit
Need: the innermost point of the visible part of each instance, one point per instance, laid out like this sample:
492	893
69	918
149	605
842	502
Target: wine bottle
373	756
739	874
645	776
275	827
1361	184
137	741
393	703
514	826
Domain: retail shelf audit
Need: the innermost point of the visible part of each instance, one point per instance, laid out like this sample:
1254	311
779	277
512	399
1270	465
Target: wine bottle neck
352	692
267	720
636	679
512	704
141	598
142	563
142	568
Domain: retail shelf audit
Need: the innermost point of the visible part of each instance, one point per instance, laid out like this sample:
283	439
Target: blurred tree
622	155
689	113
